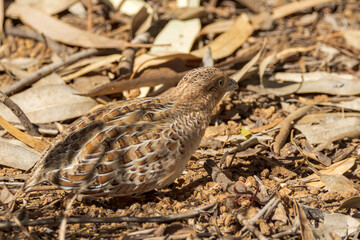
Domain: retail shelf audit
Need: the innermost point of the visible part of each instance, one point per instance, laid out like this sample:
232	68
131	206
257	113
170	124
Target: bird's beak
231	85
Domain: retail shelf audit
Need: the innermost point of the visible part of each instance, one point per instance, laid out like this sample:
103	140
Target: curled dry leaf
335	169
157	58
149	78
229	41
217	27
316	82
91	67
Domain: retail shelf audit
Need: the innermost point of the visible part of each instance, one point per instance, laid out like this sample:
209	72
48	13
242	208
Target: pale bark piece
329	129
59	31
315	82
50	7
179	34
14	153
295	7
187	3
352	37
274	57
228	42
350	105
49	103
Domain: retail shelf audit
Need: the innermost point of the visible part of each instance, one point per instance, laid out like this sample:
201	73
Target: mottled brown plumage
134	146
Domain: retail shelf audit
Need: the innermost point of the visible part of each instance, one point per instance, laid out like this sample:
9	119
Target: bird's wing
115	144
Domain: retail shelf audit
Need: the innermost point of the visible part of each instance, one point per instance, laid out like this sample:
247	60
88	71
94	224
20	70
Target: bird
133	146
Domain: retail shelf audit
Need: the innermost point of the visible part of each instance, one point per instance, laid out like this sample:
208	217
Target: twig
251	228
286	126
21	226
219	177
78	220
46	70
62	228
90	15
126	66
29	127
291	231
249	225
237	188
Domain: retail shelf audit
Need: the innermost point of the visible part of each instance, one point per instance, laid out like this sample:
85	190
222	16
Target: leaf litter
287	143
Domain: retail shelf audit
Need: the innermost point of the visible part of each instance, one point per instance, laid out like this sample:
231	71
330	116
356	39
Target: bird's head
204	87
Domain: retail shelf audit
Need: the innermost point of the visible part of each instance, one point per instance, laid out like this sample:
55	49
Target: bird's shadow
172	191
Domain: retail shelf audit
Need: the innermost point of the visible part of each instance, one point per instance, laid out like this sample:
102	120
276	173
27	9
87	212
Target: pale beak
231	85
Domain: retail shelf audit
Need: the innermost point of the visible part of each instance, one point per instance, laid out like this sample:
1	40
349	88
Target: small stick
62	228
46	70
90	15
286	126
29	127
249	225
252	228
126	66
79	220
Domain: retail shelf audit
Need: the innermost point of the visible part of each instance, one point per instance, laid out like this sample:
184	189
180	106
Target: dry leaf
217	27
142	21
49	103
49	7
337	168
91	67
14	153
353	202
239	74
340	225
156	58
229	41
59	31
149	78
339	184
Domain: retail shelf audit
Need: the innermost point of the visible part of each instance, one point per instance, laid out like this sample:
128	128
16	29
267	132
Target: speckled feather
133	146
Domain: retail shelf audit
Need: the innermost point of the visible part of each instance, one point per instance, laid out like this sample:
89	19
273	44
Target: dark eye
221	82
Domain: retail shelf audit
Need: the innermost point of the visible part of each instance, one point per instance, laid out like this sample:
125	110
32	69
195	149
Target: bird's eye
221	82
